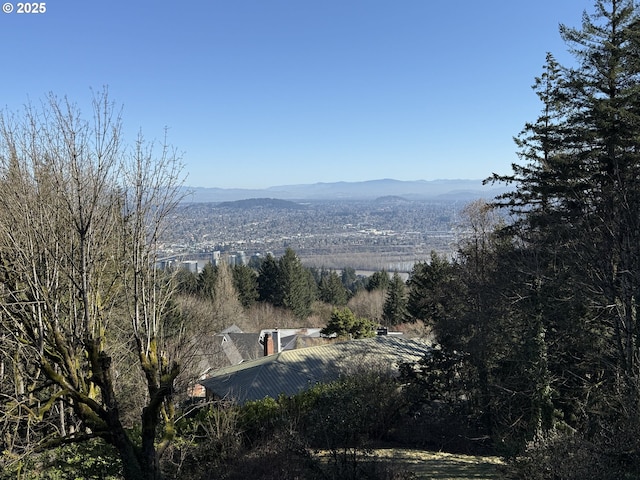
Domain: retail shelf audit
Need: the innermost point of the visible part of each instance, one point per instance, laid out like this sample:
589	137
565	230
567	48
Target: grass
422	464
443	466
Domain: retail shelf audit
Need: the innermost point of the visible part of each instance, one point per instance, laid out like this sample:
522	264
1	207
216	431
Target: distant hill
449	190
270	203
391	199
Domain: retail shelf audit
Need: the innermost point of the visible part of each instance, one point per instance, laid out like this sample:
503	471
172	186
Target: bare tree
80	216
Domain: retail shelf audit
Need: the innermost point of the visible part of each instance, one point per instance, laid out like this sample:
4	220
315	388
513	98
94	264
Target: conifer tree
246	282
378	280
296	285
577	204
332	290
268	289
395	305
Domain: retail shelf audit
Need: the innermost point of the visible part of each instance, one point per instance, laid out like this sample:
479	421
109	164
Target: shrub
204	441
91	460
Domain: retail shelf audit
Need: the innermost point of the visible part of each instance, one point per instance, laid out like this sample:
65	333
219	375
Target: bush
91	460
612	453
204	442
352	411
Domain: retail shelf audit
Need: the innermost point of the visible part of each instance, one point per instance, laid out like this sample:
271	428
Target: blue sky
259	93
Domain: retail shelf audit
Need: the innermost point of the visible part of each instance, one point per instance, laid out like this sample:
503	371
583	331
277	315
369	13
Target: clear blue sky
269	92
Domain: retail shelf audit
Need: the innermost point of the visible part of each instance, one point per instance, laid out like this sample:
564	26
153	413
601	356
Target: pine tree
246	282
332	290
434	294
395	305
268	288
577	200
296	285
378	280
207	280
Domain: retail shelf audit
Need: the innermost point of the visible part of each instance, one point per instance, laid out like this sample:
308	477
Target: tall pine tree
578	200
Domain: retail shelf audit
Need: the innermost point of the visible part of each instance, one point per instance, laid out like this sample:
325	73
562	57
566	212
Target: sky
257	93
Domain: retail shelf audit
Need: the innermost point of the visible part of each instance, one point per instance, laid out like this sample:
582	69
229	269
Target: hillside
268	203
451	190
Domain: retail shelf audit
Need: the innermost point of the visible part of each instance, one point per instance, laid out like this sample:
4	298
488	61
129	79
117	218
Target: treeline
287	284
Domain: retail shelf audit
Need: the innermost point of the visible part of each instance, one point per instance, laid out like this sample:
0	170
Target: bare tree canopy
84	315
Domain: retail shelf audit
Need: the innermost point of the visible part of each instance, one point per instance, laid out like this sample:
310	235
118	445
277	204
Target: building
293	371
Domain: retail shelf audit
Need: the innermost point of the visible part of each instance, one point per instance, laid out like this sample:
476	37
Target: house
232	346
292	371
240	347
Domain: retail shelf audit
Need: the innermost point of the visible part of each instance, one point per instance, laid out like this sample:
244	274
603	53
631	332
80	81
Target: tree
246	282
297	288
225	304
287	283
207	281
343	323
80	219
368	304
351	281
588	183
186	281
378	280
332	290
577	227
434	290
395	306
268	289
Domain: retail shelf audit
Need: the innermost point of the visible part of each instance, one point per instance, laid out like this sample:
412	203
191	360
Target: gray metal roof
293	371
240	347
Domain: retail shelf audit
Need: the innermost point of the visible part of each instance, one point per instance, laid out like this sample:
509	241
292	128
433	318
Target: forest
534	318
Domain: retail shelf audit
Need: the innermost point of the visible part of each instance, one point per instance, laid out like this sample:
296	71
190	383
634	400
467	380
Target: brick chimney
268	344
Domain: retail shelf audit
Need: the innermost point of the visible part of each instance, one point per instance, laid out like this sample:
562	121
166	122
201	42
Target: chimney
268	344
277	347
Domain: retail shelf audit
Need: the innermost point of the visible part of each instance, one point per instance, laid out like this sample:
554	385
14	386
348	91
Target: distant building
190	265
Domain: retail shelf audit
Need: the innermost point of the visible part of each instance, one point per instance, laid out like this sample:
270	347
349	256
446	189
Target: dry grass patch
422	464
443	466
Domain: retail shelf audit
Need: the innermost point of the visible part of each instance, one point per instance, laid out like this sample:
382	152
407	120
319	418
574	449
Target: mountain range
451	190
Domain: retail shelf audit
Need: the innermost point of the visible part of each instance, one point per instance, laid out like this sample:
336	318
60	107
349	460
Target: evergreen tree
296	285
395	305
246	283
351	281
207	280
577	204
434	292
186	281
378	280
344	323
332	290
268	286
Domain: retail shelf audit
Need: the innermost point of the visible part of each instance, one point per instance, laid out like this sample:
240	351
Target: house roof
292	371
240	347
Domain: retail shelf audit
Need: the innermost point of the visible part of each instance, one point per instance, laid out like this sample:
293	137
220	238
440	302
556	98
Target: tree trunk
137	464
132	468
